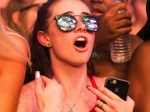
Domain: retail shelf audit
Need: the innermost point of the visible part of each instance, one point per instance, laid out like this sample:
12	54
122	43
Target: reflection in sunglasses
67	22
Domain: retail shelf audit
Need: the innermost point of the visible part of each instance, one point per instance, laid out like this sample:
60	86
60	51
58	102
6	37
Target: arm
138	76
12	73
112	25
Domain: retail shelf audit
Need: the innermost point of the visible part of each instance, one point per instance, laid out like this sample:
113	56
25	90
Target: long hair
7	46
40	57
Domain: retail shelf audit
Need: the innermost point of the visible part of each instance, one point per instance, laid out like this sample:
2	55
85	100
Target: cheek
59	39
109	3
140	8
3	3
91	40
31	17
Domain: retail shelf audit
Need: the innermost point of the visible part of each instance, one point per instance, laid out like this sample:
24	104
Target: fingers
130	101
114	9
38	89
98	93
110	102
104	94
38	81
101	107
45	80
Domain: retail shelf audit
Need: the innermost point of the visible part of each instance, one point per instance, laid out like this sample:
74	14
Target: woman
138	73
61	46
14	53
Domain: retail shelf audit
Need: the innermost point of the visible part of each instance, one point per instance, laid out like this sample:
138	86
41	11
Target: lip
81	49
97	12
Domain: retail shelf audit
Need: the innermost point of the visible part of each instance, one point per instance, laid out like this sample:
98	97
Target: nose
80	27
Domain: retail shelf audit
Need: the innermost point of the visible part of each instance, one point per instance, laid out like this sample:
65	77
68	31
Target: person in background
144	32
14	59
111	27
139	70
137	8
61	44
21	14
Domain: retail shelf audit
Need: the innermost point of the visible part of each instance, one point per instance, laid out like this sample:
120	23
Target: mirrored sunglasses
67	22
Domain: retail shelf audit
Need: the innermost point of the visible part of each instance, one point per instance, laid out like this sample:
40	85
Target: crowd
55	56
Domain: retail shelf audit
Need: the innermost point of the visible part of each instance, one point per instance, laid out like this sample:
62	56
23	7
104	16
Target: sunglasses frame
59	16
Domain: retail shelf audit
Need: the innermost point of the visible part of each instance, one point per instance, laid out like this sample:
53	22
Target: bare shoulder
140	61
142	51
135	42
19	42
100	81
135	39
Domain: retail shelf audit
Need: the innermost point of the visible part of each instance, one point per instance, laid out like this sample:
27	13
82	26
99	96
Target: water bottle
120	49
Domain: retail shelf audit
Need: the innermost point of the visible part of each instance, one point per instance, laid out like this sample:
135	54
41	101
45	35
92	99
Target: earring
48	44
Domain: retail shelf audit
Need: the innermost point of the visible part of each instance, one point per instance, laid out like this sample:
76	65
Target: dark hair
40	57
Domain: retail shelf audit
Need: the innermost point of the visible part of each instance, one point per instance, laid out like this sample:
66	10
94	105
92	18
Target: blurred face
98	7
27	15
31	14
140	7
131	10
3	3
73	47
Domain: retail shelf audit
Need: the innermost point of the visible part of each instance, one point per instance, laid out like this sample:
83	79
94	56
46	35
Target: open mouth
80	42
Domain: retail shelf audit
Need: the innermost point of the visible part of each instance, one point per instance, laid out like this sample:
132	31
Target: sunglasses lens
66	23
91	22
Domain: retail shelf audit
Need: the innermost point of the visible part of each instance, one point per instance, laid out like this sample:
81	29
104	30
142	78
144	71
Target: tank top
94	86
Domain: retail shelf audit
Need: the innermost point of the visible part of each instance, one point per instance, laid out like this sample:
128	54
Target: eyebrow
70	12
28	7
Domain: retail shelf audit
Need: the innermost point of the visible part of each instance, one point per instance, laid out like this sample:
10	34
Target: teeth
80	39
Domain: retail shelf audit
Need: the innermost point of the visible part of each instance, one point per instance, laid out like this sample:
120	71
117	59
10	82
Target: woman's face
64	48
3	3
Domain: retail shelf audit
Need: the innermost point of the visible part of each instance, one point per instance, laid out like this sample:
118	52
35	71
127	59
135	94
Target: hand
113	103
112	25
49	94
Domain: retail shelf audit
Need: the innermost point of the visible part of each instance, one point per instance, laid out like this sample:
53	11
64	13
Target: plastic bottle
120	48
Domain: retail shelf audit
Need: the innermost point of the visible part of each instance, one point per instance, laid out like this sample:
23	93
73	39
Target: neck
71	78
74	80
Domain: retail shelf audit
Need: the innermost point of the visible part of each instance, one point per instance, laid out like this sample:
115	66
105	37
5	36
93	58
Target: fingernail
37	74
88	87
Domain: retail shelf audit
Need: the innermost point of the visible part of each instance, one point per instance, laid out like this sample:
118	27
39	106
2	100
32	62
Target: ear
44	39
15	17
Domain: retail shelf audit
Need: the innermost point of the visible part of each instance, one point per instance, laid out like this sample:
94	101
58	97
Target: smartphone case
118	86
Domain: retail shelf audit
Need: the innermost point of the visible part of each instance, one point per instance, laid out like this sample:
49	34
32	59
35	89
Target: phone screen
118	86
